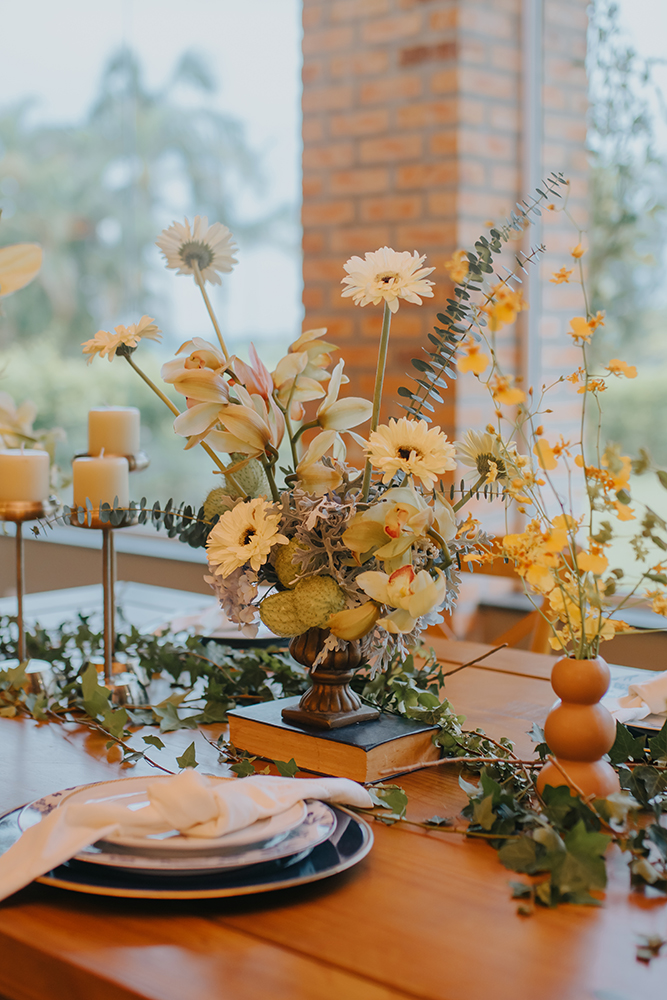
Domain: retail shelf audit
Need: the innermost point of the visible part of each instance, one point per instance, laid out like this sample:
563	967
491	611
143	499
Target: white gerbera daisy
409	446
386	274
245	534
212	248
487	456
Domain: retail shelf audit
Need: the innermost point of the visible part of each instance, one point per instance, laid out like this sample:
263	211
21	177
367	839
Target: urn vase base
596	777
305	718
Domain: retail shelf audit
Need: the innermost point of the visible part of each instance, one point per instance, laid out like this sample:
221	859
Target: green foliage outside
96	196
627	231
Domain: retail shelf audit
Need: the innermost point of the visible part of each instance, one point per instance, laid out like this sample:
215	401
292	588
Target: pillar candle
100	480
114	429
24	474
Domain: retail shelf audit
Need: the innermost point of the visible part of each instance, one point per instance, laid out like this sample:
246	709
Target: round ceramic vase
579	730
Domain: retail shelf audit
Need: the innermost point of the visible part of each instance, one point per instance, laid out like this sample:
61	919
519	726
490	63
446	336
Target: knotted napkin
641	700
191	803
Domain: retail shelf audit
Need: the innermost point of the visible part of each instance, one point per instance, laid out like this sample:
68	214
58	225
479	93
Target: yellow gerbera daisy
409	446
212	248
105	343
245	534
389	275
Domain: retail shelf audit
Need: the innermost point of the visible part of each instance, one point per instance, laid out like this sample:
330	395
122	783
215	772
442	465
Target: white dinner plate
297	829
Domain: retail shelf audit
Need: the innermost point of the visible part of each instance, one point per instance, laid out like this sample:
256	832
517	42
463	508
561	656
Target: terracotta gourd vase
579	731
330	703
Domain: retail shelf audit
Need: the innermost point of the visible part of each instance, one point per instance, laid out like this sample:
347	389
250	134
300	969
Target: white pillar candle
24	474
100	480
114	429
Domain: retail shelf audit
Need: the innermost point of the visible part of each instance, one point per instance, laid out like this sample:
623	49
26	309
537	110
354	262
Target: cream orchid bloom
314	476
341	414
293	387
19	264
318	352
410	594
201	354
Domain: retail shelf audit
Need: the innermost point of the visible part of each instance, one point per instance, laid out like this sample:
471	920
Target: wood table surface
425	915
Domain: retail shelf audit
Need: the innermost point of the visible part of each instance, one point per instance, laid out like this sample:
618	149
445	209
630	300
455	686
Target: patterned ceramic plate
350	842
297	829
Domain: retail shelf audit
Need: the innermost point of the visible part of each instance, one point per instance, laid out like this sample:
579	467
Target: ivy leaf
521	890
662	477
38	705
519	855
115	721
8	712
483	813
16	676
286	769
583	867
391	797
440	821
95	697
658	745
154	741
244	768
626	746
187	758
170	720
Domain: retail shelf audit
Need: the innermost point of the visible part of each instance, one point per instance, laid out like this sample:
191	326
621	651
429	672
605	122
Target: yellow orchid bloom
354	623
410	594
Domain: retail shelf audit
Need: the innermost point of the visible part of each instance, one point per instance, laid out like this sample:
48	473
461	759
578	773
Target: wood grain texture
426	915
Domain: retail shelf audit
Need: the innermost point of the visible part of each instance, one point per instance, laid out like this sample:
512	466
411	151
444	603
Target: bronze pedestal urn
330	702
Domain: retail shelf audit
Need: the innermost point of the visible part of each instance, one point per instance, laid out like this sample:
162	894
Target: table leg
20	574
109	601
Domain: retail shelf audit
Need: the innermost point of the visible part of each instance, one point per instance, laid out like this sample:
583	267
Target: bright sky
56	52
645	26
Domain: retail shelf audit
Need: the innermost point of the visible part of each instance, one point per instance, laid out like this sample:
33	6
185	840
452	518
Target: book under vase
329	729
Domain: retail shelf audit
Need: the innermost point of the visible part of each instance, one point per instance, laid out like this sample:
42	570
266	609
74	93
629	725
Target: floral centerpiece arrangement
300	538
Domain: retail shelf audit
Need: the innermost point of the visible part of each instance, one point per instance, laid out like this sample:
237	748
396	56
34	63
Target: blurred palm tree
96	195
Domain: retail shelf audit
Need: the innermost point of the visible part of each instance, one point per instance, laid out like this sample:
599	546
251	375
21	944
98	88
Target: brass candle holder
137	463
18	511
123	684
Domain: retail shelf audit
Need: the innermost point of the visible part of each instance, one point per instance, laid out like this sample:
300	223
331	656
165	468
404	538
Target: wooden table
425	915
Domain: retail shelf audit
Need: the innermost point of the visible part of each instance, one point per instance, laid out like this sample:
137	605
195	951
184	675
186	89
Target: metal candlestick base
19	511
137	463
123	684
111	675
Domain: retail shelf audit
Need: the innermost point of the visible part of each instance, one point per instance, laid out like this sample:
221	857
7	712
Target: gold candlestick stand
123	684
18	511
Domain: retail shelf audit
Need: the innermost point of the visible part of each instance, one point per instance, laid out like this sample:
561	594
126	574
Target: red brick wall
412	138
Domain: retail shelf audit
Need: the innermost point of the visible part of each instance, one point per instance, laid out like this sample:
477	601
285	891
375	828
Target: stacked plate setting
309	841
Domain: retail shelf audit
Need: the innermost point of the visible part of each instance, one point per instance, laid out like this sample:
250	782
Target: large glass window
116	119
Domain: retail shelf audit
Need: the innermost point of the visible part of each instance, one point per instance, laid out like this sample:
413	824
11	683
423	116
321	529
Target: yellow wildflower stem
174	409
202	287
377	393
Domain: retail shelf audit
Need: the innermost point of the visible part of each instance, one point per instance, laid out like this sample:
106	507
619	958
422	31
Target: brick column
412	138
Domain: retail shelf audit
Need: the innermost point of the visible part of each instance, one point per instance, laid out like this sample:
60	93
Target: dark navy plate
350	842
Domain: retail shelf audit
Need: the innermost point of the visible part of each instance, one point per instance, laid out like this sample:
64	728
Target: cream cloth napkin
641	700
188	802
